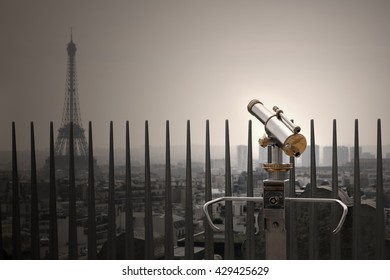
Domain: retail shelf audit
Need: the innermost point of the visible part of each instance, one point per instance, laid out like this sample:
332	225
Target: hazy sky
178	60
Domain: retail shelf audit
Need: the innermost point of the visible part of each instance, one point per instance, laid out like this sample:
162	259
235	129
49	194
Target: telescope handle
261	199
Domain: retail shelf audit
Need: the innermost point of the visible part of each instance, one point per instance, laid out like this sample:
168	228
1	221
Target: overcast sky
178	60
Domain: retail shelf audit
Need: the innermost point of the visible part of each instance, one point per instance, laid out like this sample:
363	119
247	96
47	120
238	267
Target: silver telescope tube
279	128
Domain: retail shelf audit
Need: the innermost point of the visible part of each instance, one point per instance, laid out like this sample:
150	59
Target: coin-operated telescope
282	136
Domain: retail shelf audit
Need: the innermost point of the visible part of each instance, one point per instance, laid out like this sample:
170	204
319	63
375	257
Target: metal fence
307	232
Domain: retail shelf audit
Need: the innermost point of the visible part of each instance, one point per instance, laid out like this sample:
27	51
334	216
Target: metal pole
209	235
15	200
169	252
292	250
129	252
1	237
111	238
250	213
91	200
274	211
53	231
335	239
356	198
34	201
189	233
380	240
72	238
229	238
149	246
313	232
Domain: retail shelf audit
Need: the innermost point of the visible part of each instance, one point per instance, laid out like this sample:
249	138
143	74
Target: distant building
242	157
306	157
367	155
217	165
342	155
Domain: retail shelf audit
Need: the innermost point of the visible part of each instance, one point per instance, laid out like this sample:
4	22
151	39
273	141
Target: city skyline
174	60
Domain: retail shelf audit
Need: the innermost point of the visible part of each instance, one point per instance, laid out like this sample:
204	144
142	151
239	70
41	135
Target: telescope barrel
279	128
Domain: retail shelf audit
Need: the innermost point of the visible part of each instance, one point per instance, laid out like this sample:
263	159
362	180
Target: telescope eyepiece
252	103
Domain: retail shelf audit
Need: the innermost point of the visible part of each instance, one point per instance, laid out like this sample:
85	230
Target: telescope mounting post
274	206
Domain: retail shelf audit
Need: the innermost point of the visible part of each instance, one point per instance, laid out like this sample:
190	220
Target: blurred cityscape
239	188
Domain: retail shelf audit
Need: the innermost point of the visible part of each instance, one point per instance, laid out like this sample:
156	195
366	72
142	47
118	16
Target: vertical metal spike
229	239
356	197
149	245
209	234
250	213
189	233
72	246
129	252
313	234
35	254
2	257
169	254
111	242
335	239
292	249
91	199
15	200
53	232
380	239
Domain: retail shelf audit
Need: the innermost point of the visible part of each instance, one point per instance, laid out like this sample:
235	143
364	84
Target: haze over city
73	63
196	60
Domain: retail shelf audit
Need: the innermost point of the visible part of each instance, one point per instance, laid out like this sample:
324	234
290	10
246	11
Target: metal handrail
325	200
260	199
225	198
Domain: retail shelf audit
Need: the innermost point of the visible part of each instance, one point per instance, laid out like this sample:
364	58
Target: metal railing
294	238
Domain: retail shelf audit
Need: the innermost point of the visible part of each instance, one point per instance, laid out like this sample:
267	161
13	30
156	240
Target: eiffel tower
71	114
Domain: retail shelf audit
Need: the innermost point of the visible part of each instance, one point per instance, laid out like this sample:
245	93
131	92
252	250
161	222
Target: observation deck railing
351	239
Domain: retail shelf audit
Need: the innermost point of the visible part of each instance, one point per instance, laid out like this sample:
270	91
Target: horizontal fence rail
309	230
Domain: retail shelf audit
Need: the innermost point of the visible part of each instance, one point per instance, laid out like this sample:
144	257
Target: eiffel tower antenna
71	111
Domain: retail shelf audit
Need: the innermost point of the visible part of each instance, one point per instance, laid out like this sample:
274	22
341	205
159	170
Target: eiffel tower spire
71	112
